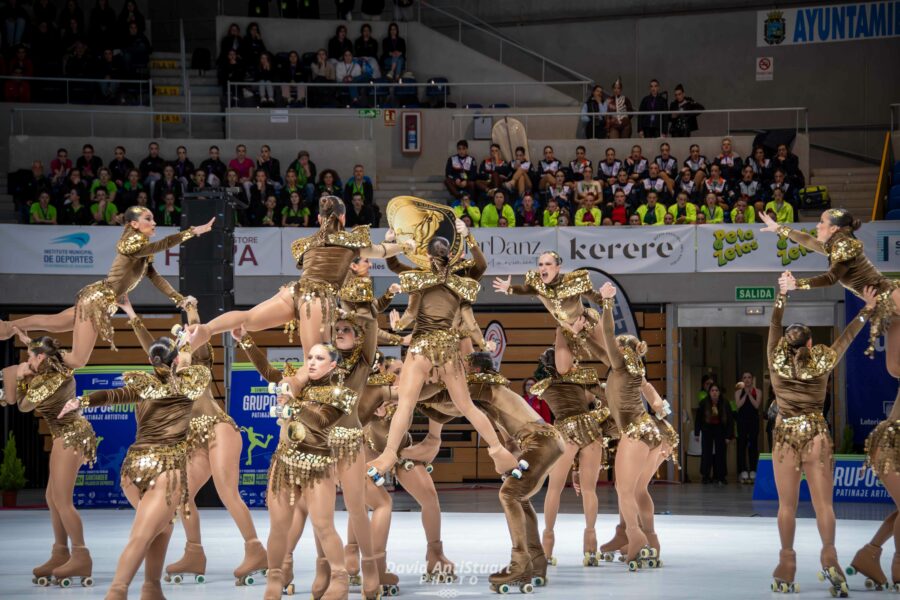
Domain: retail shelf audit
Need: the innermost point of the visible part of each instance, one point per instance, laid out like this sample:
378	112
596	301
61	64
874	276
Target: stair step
845	186
848	172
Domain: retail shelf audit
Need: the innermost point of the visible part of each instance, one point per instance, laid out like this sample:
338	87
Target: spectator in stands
103	22
306	176
634	220
627	186
88	163
151	167
79	65
15	21
780	210
698	165
214	168
761	165
683	120
711	211
579	163
494	172
609	167
197	183
491	213
749	188
110	69
18	89
74	181
359	213
717	184
550	218
42	212
290	186
33	187
232	70
742	208
668	165
71	34
322	71
268	215
790	164
339	44
74	212
683	212
588	214
701	218
520	177
528	214
654	183
103	181
329	184
504	222
253	44
264	74
131	188
729	162
232	180
350	70
653	212
668	219
233	40
104	211
459	173
547	168
780	182
294	214
120	166
292	73
468	221
169	184
636	164
359	184
653	126
366	46
588	185
465	207
562	191
618	125
271	165
261	189
167	213
69	12
618	210
593	113
60	167
393	57
136	49
131	14
243	166
183	166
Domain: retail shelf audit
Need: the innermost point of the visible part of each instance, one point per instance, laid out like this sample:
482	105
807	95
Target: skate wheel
651	562
607	556
42	581
851	570
177	579
526	588
586	561
539	581
869	584
87	582
821	576
355	580
249	580
429	468
634	565
834	592
200	579
65	582
552	562
393	590
774	587
646	553
167	578
503	588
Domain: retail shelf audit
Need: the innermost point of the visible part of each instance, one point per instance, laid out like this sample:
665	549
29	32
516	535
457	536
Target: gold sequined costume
134	260
163	402
849	266
574	400
883	444
800	386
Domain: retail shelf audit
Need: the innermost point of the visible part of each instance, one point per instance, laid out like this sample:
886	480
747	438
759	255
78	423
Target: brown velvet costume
883	444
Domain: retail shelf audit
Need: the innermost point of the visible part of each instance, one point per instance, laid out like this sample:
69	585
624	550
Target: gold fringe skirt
345	443
293	468
581	344
653	432
883	448
585	428
80	437
797	434
304	291
143	466
203	430
881	317
440	347
97	303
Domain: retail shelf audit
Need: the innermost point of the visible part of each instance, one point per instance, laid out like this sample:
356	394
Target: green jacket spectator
473	211
593	216
42	215
109	214
749	214
654	215
551	219
716	215
784	214
688	213
490	217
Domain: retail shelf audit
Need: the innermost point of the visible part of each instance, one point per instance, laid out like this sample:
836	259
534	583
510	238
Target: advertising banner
852	481
115	427
512	251
730	248
821	24
621	250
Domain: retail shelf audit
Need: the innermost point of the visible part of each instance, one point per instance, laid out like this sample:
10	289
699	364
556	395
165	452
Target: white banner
511	250
820	24
744	248
619	250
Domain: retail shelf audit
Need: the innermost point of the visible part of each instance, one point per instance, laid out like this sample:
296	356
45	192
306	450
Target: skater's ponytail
796	340
547	362
633	343
162	353
843	219
439	251
49	347
331	209
481	361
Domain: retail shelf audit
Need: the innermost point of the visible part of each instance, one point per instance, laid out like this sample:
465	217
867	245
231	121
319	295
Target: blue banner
852	481
115	426
870	389
249	407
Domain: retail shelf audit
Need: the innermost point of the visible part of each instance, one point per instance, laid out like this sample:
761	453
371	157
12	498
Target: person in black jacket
339	44
359	184
233	40
292	72
393	57
103	21
120	166
683	122
366	46
271	165
715	421
253	45
652	126
213	167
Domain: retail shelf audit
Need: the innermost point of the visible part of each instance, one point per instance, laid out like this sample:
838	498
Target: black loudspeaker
206	264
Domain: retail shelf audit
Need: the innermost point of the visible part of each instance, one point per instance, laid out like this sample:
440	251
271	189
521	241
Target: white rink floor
705	557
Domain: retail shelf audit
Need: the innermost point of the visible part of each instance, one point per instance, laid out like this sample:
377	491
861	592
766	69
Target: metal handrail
67	81
544	60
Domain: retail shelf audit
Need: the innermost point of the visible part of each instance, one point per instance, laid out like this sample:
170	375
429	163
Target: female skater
309	303
849	266
43	384
800	373
435	296
646	441
573	399
96	303
154	472
214	448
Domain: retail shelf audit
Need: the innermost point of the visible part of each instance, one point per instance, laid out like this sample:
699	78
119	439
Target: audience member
593	113
271	165
366	46
618	124
306	176
260	191
103	210
169	184
103	181
668	165
547	169
561	191
729	162
459	173
214	168
683	212
698	165
790	164
711	211
761	165
618	210
497	209
88	163
359	184
290	73
636	165
120	166
520	178
183	166
579	164
294	214
651	213
253	45
465	207
781	210
653	126
528	214
358	212
588	214
167	213
494	172
264	75
329	184
74	212
654	183
393	57
744	210
609	167
687	185
588	185
41	211
627	186
684	120
152	166
339	44
268	216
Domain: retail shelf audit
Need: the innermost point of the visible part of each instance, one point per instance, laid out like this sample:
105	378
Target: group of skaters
344	414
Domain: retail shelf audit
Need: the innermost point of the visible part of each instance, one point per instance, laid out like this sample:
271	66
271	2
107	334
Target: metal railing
505	51
61	90
712	121
379	94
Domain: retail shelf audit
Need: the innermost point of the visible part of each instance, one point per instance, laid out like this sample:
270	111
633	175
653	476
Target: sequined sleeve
386	338
850	332
122	395
162	285
835	273
412	311
804	239
616	359
381	304
140	330
521	290
260	360
394	264
775	329
136	245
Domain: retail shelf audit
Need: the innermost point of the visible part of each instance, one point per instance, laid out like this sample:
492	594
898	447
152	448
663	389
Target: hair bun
856	224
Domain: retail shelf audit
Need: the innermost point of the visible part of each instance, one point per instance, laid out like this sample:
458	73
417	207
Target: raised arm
203	354
396	266
381	304
478	270
409	317
136	245
775	328
804	239
835	273
140	330
505	286
616	360
843	342
260	360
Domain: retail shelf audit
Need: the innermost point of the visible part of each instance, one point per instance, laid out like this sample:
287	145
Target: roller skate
895	573
181	334
287	575
516	472
867	562
538	567
376	477
59	555
152	590
783	575
338	587
192	563
833	573
320	581
517	573
255	563
274	585
654	562
589	547
389	582
429	468
609	549
79	565
548	540
351	561
637	551
371	580
439	569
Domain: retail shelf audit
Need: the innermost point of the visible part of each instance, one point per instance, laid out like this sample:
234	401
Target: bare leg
58	323
381	503
421	487
274	312
280	513
892	339
198	474
590	460
156	556
891	483
320	498
64	466
787	482
353	481
224	459
60	537
631	457
559	474
412	378
820	478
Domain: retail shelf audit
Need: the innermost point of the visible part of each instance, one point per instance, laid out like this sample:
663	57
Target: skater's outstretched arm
137	324
870	295
616	359
162	285
260	361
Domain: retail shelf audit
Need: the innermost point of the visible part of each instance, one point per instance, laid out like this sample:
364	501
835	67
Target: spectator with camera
465	207
747	398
